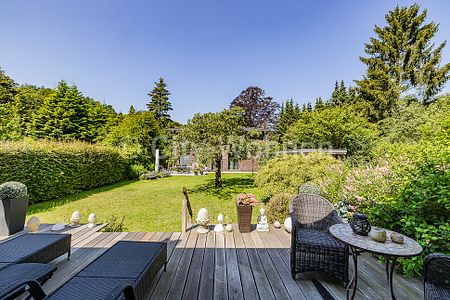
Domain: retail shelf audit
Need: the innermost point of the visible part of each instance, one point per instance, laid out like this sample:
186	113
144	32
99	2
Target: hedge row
54	169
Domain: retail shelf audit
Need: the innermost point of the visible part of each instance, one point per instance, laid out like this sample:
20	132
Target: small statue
262	221
92	219
219	227
203	221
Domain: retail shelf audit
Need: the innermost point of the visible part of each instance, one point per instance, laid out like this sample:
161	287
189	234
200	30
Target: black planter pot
12	215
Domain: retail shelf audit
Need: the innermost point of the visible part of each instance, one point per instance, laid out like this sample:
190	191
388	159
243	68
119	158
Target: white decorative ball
76	218
288	224
33	224
92	219
276	224
229	227
220	218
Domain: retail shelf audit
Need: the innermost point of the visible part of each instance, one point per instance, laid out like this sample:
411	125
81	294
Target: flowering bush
405	189
246	199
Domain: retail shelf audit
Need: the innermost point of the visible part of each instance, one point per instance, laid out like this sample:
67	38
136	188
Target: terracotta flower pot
244	213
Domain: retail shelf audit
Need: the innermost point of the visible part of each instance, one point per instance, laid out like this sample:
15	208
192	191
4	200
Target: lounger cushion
88	288
35	248
124	260
13	277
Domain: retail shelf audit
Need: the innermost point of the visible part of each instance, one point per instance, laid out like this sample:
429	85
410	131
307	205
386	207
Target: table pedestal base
390	264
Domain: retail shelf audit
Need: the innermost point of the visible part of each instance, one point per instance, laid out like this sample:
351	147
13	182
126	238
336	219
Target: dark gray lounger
34	248
14	279
127	263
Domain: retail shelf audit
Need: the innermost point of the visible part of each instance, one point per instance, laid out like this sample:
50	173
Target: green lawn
153	205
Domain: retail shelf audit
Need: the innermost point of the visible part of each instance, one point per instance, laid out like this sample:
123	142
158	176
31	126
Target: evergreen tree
309	107
319	104
131	110
288	115
339	95
159	102
304	107
63	115
402	58
27	102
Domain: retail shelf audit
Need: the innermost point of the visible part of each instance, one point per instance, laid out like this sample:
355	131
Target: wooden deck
229	266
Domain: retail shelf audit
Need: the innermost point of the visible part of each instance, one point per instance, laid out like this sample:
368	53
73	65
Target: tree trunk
218	180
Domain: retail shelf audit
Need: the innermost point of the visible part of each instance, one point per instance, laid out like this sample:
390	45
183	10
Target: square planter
12	215
244	213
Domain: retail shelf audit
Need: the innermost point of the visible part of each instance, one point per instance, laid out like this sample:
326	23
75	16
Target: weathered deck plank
228	266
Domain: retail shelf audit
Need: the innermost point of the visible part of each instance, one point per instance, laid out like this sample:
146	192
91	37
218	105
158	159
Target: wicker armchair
313	248
436	276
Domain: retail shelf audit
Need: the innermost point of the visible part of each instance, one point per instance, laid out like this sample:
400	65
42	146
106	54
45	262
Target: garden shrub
405	188
54	169
337	127
137	170
277	209
286	173
13	190
310	188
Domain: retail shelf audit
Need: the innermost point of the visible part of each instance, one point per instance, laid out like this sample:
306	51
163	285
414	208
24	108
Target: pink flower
242	196
359	199
348	188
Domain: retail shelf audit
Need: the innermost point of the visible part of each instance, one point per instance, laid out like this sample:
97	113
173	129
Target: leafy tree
337	127
289	114
259	111
134	136
7	88
209	135
159	103
402	57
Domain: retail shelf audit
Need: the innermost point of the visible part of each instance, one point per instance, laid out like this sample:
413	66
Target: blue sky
207	50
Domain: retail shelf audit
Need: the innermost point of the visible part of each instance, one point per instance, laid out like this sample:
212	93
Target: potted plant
13	208
244	207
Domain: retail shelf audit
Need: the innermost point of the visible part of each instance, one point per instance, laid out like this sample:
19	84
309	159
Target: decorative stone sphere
76	218
220	218
92	219
276	224
229	227
33	224
288	224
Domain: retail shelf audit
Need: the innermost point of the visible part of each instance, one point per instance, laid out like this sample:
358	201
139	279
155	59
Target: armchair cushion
318	238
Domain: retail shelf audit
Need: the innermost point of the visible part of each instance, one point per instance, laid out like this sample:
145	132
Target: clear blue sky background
207	50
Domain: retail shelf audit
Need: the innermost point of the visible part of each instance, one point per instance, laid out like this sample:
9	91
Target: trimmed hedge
54	169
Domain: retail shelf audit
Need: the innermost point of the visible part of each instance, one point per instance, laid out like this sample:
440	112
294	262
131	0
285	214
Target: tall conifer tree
402	58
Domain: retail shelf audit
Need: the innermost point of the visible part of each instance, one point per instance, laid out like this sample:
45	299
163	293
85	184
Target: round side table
390	250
